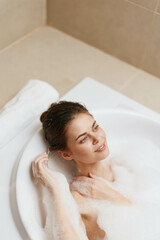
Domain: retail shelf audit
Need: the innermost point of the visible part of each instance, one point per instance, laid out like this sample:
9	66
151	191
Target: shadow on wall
128	30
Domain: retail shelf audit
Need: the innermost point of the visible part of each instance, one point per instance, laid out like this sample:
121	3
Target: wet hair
55	121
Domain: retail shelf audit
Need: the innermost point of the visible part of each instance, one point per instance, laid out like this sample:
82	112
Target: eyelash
83	140
96	127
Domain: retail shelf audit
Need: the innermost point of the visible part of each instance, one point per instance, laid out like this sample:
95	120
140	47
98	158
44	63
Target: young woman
73	132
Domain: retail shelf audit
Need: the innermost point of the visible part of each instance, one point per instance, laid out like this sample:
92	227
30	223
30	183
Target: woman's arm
65	228
97	188
89	217
116	197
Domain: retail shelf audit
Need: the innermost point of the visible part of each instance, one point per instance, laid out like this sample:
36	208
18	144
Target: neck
97	169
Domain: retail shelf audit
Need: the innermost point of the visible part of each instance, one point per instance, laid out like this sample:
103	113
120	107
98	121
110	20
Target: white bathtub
99	98
128	135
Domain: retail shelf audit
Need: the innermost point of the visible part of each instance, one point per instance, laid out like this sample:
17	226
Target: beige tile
114	26
150	4
19	17
2	103
64	85
158	6
145	89
151	60
53	56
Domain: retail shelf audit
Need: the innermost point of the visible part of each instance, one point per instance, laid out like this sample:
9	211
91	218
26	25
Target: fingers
39	163
91	175
43	174
42	156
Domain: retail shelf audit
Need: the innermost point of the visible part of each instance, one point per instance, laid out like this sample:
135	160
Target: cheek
102	132
83	149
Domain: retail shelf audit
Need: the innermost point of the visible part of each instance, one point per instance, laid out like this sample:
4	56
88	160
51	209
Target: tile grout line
156	8
20	39
145	8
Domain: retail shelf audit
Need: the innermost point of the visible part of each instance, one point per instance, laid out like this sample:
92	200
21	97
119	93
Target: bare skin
87	146
98	190
89	217
63	220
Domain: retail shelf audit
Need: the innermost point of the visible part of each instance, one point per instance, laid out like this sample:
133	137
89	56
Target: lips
101	148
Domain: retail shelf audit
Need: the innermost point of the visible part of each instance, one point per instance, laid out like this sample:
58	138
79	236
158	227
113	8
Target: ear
65	154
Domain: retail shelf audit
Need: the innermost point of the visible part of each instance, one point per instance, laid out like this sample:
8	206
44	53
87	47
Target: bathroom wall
19	17
128	30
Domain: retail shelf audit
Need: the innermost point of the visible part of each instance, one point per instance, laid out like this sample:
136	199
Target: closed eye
96	128
83	140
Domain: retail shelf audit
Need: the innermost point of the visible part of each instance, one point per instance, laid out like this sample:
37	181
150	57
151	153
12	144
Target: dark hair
55	120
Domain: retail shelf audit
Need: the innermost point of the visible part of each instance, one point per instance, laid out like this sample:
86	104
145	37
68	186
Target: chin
105	153
104	156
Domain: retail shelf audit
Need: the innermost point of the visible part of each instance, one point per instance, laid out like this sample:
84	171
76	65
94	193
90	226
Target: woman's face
86	140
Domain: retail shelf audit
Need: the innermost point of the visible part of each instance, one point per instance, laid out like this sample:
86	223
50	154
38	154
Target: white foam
137	175
53	227
136	167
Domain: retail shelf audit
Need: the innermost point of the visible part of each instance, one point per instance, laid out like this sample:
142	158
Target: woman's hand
91	186
96	188
42	174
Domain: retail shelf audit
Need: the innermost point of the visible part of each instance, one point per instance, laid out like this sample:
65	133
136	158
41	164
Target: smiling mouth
101	148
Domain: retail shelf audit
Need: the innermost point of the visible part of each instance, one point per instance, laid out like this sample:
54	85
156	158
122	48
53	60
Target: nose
95	139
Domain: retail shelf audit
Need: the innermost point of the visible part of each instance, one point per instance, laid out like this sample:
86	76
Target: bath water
136	167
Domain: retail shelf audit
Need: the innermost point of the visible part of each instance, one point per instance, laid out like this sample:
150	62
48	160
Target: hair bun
43	116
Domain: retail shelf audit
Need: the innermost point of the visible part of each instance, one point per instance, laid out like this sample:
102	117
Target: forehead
80	124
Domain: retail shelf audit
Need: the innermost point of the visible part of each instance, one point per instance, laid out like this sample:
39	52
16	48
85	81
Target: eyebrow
85	132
